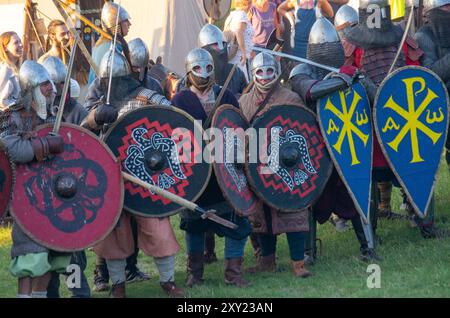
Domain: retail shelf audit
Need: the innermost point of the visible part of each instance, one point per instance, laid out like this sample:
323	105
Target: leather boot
233	273
256	246
385	190
118	290
300	270
265	264
172	290
210	245
195	266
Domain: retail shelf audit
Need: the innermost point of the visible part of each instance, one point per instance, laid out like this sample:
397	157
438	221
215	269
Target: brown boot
195	265
210	245
233	272
118	290
256	247
172	290
265	264
385	190
300	269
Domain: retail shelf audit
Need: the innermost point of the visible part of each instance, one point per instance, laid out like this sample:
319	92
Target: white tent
169	27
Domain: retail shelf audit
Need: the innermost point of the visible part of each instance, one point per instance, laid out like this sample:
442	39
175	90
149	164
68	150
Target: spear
296	58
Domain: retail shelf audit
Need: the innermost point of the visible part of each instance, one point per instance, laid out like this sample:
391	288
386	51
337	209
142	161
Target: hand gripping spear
210	214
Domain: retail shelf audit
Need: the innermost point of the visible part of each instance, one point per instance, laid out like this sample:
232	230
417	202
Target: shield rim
4	149
383	83
118	214
337	166
177	110
216	165
247	168
223	15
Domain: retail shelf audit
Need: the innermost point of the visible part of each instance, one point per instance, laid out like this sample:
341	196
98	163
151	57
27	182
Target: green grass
412	266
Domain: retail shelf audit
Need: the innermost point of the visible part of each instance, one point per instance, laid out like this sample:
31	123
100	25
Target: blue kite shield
345	121
411	122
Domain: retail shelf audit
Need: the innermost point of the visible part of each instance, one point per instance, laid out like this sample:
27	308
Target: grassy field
411	266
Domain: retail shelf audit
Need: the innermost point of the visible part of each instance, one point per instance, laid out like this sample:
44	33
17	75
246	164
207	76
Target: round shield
6	179
288	164
162	146
73	200
217	9
231	126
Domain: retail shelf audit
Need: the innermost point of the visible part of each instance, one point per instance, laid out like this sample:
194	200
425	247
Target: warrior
434	40
309	82
32	263
198	99
155	236
267	222
109	19
73	113
373	49
212	40
139	57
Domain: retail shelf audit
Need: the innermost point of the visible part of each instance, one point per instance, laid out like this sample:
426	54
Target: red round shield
288	164
229	159
73	200
6	179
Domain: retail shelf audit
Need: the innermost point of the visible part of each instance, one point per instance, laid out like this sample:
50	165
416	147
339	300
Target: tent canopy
169	27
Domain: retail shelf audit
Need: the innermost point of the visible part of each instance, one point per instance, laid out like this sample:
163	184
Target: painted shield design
411	122
6	179
288	163
74	200
346	124
161	146
217	9
230	126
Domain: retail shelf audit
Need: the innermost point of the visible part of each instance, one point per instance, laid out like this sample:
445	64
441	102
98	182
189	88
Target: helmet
31	76
210	34
345	14
323	31
139	53
56	69
200	63
265	67
109	14
119	68
325	46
